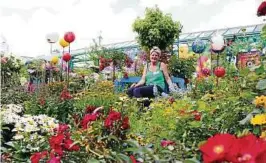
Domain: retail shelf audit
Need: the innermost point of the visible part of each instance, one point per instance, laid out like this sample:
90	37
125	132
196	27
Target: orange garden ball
69	37
66	57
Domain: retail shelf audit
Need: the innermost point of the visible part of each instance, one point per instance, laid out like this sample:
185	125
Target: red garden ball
219	72
66	57
69	37
206	71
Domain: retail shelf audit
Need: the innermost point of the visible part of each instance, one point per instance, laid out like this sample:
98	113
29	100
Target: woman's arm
142	80
167	77
166	74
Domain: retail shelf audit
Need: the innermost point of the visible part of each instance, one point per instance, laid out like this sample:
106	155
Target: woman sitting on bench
154	76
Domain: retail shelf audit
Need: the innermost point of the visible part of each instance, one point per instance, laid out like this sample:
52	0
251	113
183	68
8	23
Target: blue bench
120	85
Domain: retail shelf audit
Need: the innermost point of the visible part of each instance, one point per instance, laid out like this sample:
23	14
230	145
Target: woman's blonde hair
156	50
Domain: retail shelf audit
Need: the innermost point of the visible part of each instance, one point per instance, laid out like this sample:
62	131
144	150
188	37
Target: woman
154	76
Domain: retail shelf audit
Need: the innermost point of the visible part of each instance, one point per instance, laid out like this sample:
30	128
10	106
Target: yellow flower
263	135
260	101
259	119
168	111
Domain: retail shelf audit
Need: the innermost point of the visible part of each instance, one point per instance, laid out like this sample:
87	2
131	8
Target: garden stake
68	68
217	80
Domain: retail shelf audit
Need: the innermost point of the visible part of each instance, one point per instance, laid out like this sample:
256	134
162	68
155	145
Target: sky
25	23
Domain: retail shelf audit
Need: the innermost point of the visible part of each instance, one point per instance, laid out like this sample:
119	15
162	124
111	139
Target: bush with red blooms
65	95
115	120
60	144
228	148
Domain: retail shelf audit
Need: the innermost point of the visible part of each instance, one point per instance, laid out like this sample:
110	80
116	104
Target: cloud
85	19
236	13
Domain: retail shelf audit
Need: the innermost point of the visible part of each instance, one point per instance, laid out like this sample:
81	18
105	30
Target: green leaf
193	160
202	105
260	70
93	161
195	124
131	149
124	157
256	130
113	137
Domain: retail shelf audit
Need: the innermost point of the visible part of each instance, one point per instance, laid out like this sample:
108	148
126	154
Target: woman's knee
136	92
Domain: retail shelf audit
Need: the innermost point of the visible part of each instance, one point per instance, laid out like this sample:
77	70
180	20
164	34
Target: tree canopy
156	29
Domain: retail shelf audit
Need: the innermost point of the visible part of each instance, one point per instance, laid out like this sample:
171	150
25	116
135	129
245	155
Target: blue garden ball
198	46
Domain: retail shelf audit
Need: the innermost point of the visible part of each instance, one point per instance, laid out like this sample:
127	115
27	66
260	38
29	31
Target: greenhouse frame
132	47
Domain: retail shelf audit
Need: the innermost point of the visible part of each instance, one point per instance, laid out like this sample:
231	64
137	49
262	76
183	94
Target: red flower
171	100
68	145
125	123
42	101
261	158
35	158
87	119
90	109
247	149
111	118
217	147
54	160
196	114
165	143
65	95
61	128
56	142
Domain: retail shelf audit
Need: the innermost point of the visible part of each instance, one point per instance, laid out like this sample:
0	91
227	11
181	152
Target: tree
156	29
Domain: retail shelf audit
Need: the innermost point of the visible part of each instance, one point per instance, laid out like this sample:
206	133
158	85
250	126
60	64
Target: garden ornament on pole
217	46
67	57
51	38
69	37
63	44
262	10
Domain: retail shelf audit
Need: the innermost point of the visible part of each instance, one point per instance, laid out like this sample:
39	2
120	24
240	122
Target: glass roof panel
219	32
193	35
126	44
205	34
247	29
182	36
259	28
232	31
134	43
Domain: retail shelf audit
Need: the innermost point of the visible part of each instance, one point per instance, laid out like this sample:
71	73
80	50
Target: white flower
18	137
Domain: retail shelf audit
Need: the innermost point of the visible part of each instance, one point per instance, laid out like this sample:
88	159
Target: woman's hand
133	85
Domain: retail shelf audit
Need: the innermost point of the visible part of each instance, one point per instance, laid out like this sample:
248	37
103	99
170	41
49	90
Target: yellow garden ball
63	43
55	60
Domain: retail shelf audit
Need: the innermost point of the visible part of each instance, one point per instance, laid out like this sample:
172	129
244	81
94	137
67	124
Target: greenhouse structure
132	48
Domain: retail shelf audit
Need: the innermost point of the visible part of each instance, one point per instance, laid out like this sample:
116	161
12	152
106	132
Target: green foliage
14	96
156	29
182	67
263	33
